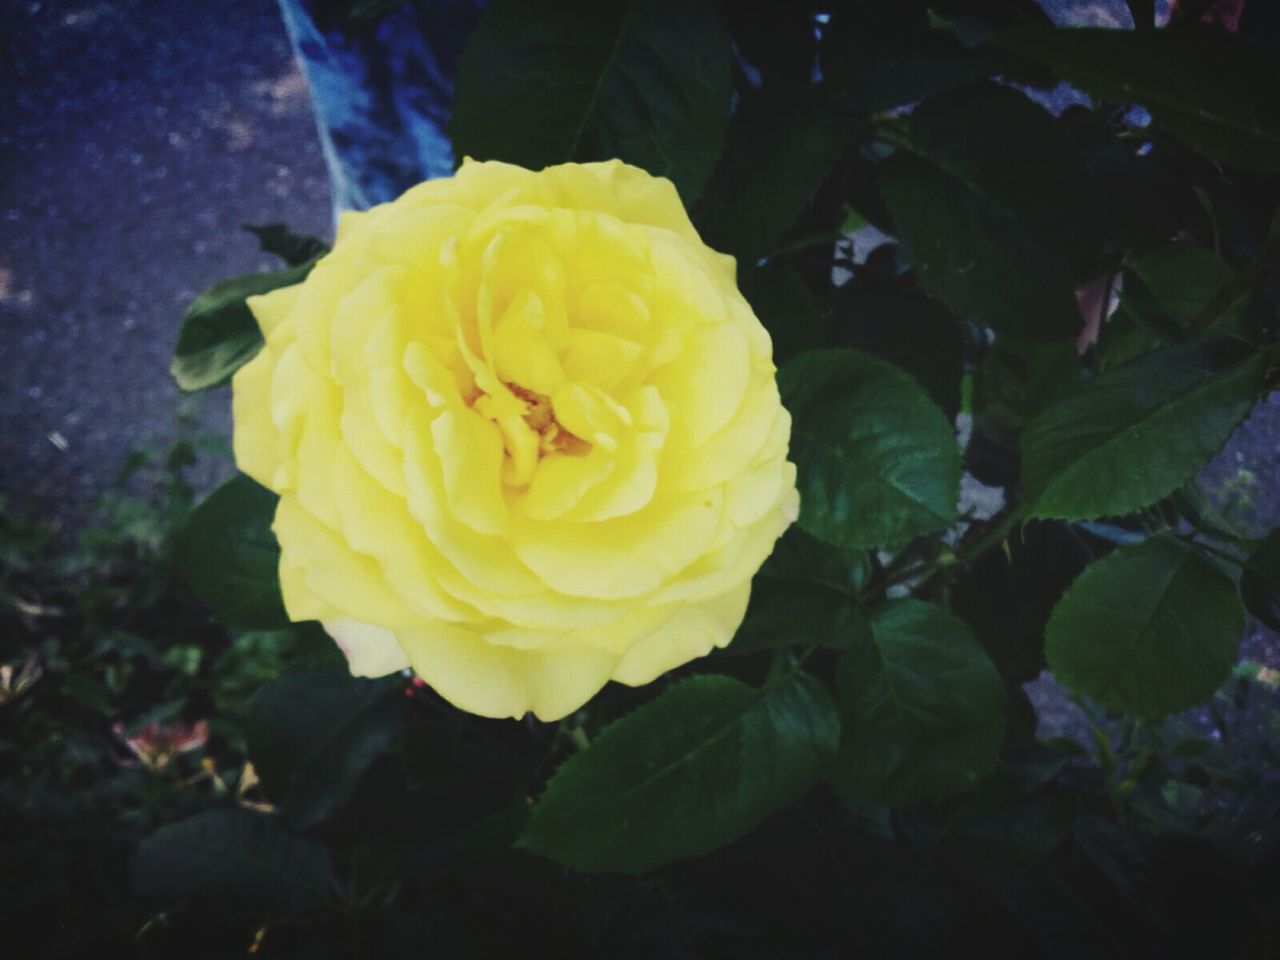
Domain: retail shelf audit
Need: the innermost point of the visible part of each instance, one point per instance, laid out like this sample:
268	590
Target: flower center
541	418
529	429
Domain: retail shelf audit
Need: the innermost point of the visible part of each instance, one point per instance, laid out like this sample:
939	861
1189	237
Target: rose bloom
526	436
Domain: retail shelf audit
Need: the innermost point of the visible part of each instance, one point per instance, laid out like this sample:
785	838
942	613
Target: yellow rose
526	436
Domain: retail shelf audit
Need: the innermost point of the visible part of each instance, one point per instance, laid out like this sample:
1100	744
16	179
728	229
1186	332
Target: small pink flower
155	745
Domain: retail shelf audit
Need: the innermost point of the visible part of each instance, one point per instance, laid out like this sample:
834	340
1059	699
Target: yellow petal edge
526	435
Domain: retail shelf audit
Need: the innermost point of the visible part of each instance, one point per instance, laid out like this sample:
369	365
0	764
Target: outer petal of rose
333	573
377	523
273	308
625	557
693	632
370	651
255	439
707	385
495	681
643	198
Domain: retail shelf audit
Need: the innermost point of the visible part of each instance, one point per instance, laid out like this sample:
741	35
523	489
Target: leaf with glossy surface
877	460
312	736
921	708
1149	630
245	859
229	557
549	81
993	201
1135	434
685	774
219	334
1209	89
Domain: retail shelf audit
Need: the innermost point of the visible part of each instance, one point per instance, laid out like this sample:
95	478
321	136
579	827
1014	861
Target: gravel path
137	136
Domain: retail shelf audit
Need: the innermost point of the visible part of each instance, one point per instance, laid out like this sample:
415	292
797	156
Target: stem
1000	526
804	243
997	532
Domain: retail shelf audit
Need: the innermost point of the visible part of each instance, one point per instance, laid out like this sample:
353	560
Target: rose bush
526	436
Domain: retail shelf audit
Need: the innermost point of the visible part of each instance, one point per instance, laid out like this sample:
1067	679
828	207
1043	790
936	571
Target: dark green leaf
548	81
921	708
967	193
312	736
875	59
1166	293
784	305
799	613
691	771
1207	88
878	462
1015	381
293	248
1135	434
219	334
1148	630
799	556
239	857
1260	581
777	155
230	559
908	329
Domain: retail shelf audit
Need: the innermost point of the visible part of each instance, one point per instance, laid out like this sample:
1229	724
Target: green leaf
229	557
786	613
783	303
875	59
1209	89
1166	294
685	774
877	460
799	556
236	856
548	81
921	708
1260	581
967	193
1014	380
907	328
312	735
777	155
294	249
1134	434
219	334
1149	630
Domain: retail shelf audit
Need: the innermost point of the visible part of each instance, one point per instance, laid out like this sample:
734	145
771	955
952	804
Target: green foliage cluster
858	772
